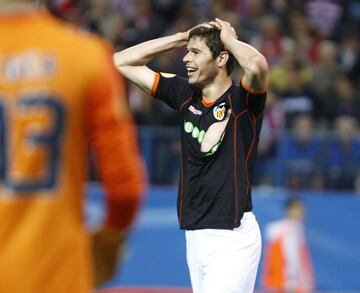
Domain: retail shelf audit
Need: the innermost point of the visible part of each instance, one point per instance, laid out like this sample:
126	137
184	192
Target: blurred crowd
312	115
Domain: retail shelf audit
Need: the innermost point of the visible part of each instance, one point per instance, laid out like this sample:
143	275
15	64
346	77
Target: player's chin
192	80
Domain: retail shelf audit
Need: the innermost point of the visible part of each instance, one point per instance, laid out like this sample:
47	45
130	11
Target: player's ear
222	58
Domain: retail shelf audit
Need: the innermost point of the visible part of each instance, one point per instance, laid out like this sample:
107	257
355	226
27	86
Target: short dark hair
213	41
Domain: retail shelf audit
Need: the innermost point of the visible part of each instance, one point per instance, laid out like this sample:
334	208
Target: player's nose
186	58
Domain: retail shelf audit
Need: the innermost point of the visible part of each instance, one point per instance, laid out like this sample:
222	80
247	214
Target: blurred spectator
270	41
149	111
98	11
301	155
343	100
350	56
349	52
327	65
250	11
271	131
280	79
287	263
325	73
114	30
324	15
283	7
343	158
299	98
307	39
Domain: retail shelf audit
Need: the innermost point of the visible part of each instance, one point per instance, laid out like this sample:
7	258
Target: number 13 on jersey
30	135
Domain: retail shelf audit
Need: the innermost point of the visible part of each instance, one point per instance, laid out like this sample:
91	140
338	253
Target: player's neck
217	88
15	7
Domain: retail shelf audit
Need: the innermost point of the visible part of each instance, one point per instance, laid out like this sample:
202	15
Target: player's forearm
143	53
251	60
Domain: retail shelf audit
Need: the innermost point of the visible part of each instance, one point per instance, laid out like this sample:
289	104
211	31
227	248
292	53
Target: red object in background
62	6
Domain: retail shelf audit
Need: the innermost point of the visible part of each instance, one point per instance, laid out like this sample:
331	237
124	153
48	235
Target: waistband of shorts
247	215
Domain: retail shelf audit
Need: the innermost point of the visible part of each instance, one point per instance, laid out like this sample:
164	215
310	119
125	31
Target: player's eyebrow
193	49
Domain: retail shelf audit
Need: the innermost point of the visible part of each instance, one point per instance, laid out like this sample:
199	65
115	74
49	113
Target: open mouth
191	70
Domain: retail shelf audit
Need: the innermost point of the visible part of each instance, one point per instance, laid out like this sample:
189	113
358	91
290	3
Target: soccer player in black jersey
220	130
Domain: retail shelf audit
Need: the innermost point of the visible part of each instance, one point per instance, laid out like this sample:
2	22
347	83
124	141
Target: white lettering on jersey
195	111
31	65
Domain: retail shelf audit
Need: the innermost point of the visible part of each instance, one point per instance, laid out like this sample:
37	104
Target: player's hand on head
187	33
208	24
107	249
227	30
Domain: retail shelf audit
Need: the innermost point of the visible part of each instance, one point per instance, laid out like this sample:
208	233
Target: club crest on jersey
219	111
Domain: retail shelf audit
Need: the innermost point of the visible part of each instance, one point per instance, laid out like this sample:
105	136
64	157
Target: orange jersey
59	94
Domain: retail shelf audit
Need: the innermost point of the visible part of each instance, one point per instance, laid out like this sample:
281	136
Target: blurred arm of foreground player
113	135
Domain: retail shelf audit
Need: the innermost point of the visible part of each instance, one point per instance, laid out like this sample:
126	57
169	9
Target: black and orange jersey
219	148
59	95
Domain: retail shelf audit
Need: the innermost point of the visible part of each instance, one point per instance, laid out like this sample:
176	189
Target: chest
204	127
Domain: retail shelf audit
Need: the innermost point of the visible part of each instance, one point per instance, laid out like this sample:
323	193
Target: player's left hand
227	31
107	247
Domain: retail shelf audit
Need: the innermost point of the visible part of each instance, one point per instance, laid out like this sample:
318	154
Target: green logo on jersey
195	133
188	127
199	135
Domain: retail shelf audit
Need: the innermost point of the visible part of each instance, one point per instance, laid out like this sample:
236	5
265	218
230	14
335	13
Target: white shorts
224	261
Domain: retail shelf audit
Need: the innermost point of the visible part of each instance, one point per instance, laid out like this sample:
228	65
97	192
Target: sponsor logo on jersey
188	127
199	135
219	111
195	111
195	132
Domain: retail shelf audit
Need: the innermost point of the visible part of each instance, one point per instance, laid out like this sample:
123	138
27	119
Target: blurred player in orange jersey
287	263
60	95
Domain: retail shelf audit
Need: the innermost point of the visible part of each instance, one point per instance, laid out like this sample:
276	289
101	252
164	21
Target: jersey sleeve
113	136
172	89
255	100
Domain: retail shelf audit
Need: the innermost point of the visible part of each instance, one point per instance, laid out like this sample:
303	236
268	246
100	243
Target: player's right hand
107	248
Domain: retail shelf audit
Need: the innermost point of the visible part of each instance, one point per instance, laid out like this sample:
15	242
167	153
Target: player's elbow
259	66
258	70
125	65
118	59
